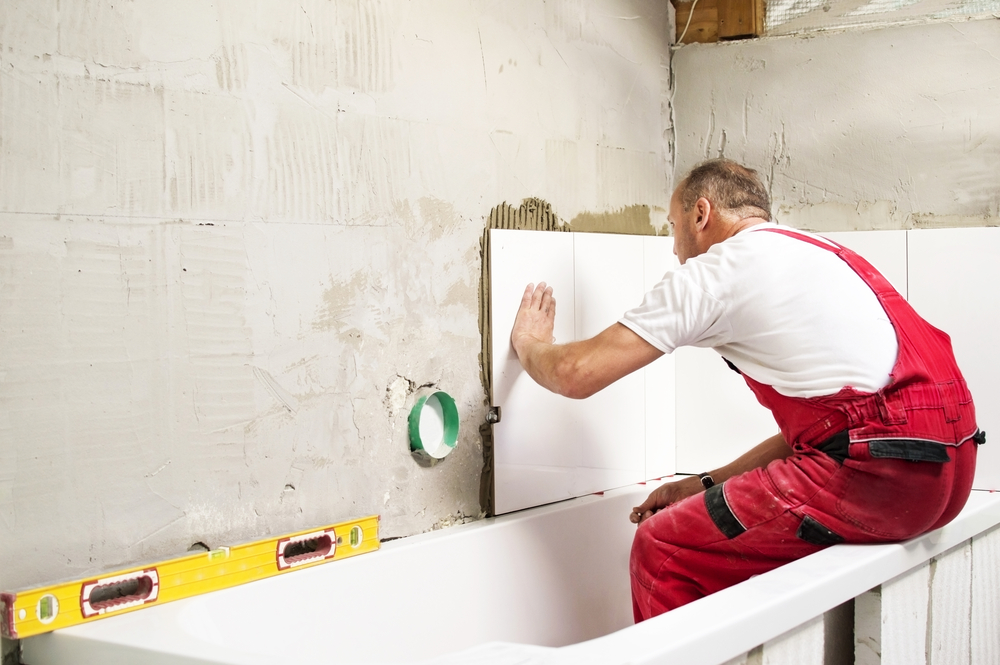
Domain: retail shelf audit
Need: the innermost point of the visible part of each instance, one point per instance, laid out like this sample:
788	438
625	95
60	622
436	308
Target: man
878	431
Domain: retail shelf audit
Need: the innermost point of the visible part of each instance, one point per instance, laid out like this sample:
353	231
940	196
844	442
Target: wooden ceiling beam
714	20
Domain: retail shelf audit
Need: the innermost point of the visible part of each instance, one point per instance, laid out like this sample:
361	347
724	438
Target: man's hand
769	450
573	369
535	318
665	495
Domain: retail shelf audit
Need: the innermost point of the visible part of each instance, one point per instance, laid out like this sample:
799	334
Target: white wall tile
718	417
609	281
548	447
886	250
953	276
660	376
533	453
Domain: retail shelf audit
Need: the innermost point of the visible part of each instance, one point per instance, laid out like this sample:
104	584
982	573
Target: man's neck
743	224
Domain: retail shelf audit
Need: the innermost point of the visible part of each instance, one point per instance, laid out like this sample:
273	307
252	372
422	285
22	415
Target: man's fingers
649	504
652	503
538	296
548	304
526	298
640	516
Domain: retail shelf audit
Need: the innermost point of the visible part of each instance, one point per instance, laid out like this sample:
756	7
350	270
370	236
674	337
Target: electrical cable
688	24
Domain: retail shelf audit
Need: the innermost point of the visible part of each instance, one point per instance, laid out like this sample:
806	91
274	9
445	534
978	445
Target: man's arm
578	369
664	495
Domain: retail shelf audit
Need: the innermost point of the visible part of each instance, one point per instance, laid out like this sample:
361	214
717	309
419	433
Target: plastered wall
880	129
236	236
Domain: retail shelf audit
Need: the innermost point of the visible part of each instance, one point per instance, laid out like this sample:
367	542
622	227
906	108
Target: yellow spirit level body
36	611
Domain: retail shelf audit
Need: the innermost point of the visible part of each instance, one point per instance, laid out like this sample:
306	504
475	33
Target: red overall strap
872	277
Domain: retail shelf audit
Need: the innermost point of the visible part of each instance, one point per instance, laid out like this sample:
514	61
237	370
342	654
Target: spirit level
35	611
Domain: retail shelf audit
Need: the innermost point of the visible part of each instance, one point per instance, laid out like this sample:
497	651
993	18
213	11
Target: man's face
682	227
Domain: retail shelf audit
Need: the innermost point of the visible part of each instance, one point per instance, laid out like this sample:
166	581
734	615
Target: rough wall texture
235	236
787	17
892	128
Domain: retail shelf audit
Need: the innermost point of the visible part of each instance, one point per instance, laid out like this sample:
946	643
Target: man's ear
703	208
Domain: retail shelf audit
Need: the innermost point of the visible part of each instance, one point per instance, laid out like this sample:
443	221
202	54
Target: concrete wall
890	128
235	236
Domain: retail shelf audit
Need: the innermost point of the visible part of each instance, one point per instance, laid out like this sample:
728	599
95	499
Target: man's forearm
759	456
537	360
555	367
580	369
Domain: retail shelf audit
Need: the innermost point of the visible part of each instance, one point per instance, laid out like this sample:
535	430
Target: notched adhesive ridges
532	215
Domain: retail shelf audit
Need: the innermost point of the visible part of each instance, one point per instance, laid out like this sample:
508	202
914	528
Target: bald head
732	188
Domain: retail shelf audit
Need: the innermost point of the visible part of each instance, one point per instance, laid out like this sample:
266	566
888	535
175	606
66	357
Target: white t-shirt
786	313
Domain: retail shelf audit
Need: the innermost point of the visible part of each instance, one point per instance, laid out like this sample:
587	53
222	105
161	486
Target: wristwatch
706	480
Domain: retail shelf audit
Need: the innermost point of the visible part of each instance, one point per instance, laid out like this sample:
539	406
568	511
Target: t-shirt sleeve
680	311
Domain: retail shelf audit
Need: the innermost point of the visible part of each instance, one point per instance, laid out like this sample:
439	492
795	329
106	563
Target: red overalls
866	468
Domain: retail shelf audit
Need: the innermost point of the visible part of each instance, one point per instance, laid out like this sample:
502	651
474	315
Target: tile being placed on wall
533	453
660	376
953	275
611	443
886	250
548	447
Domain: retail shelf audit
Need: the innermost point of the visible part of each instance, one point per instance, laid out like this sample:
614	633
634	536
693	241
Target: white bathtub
550	576
504	590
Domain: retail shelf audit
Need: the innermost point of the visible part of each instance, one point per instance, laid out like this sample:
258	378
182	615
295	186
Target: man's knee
645	562
651	547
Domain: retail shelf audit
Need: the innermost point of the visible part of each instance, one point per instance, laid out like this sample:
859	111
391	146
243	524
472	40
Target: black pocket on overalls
813	532
721	513
837	446
914	450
